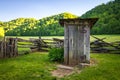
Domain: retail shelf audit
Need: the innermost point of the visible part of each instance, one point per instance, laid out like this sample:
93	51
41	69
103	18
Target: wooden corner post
77	40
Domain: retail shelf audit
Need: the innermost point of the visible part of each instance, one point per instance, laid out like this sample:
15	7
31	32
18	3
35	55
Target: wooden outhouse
77	40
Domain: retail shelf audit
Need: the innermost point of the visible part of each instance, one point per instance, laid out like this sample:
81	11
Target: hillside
31	27
109	18
108	14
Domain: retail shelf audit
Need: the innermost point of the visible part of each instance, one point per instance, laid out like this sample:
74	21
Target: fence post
1	49
4	47
15	49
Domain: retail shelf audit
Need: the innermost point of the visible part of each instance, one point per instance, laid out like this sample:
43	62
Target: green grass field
109	38
36	66
106	69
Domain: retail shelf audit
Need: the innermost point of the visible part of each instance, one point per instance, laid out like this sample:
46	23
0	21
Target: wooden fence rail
8	48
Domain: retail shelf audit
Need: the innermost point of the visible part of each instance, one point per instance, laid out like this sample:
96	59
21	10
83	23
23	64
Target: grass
37	37
24	37
25	43
109	38
24	47
23	50
36	66
106	69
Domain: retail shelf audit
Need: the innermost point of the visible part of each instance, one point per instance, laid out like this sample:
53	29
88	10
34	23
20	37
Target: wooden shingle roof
90	21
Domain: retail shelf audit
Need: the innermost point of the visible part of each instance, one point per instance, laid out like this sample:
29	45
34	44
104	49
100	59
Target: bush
56	54
26	52
1	33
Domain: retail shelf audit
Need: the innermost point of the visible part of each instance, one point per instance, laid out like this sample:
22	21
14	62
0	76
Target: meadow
37	66
109	38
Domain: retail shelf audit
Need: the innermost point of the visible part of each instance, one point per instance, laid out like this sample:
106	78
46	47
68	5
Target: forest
108	14
31	27
109	18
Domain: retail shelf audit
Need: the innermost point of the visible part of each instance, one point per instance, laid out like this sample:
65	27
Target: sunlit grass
36	66
107	69
109	38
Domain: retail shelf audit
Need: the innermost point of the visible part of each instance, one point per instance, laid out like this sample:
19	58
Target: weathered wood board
77	40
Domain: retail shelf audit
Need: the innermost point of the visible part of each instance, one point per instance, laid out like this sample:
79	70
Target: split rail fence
8	48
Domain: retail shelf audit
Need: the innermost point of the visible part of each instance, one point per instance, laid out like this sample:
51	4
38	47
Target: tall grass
107	69
109	38
34	66
37	66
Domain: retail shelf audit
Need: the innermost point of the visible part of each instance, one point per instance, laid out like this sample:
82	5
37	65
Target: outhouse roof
89	21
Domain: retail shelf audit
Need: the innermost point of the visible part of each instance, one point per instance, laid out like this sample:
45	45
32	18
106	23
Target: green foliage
22	49
48	26
26	52
108	14
56	54
37	66
108	23
1	33
34	66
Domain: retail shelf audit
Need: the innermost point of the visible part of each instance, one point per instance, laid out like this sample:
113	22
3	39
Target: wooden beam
106	42
66	44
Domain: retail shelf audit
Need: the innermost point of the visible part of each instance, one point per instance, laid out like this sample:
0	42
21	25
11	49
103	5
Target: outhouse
77	40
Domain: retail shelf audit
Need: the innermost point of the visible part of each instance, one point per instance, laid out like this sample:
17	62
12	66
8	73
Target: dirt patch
93	62
63	70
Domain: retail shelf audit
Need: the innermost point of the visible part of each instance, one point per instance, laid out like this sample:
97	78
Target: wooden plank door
72	44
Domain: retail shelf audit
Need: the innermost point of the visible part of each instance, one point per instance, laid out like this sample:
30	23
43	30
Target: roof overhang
89	21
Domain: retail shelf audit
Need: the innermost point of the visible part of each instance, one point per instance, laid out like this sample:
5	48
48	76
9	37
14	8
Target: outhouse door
76	44
72	45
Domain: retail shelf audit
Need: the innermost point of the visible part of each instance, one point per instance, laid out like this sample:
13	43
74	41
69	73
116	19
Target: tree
108	14
48	26
1	33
